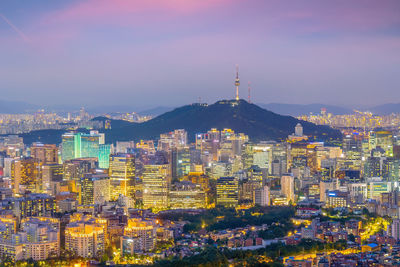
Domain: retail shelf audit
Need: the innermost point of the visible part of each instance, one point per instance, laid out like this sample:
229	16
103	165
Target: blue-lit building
104	156
81	145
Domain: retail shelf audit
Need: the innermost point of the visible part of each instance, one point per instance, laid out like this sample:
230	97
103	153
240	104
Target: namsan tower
237	82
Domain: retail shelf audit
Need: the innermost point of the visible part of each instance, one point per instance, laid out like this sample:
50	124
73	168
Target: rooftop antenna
237	82
249	91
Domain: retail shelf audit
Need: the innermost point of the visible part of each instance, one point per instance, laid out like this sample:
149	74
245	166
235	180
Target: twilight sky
171	52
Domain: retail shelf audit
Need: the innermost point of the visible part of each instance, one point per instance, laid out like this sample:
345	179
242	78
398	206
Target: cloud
122	11
18	31
113	48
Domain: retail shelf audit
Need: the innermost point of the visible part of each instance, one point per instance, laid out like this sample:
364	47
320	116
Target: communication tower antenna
249	91
237	82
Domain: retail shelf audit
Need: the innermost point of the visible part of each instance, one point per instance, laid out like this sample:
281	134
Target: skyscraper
50	173
68	146
76	168
287	187
80	145
262	196
227	191
25	175
180	162
122	175
89	145
95	189
395	229
104	156
45	153
175	139
156	182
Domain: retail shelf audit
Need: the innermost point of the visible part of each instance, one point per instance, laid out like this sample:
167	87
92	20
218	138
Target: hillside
241	116
258	123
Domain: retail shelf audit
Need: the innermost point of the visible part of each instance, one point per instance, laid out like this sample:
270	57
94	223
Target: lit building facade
227	191
95	189
45	153
26	175
86	236
139	236
287	187
186	195
156	182
122	175
31	205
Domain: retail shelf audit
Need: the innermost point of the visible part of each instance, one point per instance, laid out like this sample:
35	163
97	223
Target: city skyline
127	52
197	133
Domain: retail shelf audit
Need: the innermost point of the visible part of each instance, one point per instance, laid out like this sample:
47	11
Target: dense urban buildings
174	133
173	195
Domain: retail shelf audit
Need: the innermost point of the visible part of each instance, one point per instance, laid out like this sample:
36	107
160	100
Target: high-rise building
287	187
262	196
38	238
174	139
376	186
42	237
325	186
104	156
298	134
147	146
139	236
31	205
180	162
68	146
45	153
86	236
95	189
8	227
25	175
123	147
156	182
81	145
122	175
74	170
298	130
395	229
89	146
373	167
391	169
262	155
187	195
336	198
227	191
50	173
384	140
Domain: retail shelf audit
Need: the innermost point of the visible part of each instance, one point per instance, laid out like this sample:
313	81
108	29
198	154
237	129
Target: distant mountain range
17	107
298	110
240	116
385	109
155	111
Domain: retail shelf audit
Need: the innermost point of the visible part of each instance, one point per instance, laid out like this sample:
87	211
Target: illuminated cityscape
162	200
199	133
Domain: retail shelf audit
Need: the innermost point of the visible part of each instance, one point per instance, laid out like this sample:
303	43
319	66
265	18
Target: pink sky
291	51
